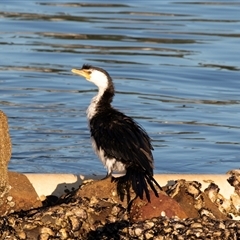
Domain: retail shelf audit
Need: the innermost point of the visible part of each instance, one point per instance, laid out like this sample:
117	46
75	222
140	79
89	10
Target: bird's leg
107	176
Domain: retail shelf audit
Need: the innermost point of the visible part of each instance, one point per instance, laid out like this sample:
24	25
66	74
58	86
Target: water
175	66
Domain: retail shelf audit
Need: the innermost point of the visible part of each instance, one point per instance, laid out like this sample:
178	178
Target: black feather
86	66
121	138
139	182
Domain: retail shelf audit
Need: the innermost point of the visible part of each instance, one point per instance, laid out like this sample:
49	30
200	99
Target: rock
225	205
5	155
193	201
90	217
159	206
21	196
105	188
234	180
179	193
16	192
73	220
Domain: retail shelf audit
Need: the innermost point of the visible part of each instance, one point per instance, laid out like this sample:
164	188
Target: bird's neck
101	101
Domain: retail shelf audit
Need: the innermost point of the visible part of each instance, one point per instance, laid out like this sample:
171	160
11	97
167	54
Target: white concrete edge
58	184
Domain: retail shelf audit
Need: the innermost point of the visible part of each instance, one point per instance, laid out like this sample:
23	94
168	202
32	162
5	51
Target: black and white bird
121	144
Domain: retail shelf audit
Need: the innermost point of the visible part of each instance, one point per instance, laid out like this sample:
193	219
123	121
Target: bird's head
96	75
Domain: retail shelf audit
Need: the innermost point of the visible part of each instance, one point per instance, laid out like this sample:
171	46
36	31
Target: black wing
123	139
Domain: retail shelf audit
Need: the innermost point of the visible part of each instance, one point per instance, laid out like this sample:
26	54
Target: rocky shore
82	217
102	219
183	210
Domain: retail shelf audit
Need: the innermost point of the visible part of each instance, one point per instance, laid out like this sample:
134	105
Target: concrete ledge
58	184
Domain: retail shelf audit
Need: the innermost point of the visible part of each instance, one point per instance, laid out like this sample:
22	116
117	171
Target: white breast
91	110
109	163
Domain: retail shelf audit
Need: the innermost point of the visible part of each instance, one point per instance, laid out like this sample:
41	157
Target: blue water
175	66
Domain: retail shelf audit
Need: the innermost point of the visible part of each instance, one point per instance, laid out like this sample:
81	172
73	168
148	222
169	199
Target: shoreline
58	183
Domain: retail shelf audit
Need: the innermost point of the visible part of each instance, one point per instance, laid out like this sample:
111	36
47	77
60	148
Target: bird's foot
107	176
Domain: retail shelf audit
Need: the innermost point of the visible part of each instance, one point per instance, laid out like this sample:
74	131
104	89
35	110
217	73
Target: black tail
139	182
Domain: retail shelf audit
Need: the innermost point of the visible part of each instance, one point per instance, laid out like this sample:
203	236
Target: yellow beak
82	73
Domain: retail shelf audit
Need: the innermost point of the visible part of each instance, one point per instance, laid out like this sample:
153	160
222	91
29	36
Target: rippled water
175	66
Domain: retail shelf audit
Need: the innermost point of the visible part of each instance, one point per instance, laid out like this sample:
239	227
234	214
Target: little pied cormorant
120	143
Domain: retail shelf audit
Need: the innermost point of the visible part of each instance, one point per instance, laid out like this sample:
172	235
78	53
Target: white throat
101	81
91	110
